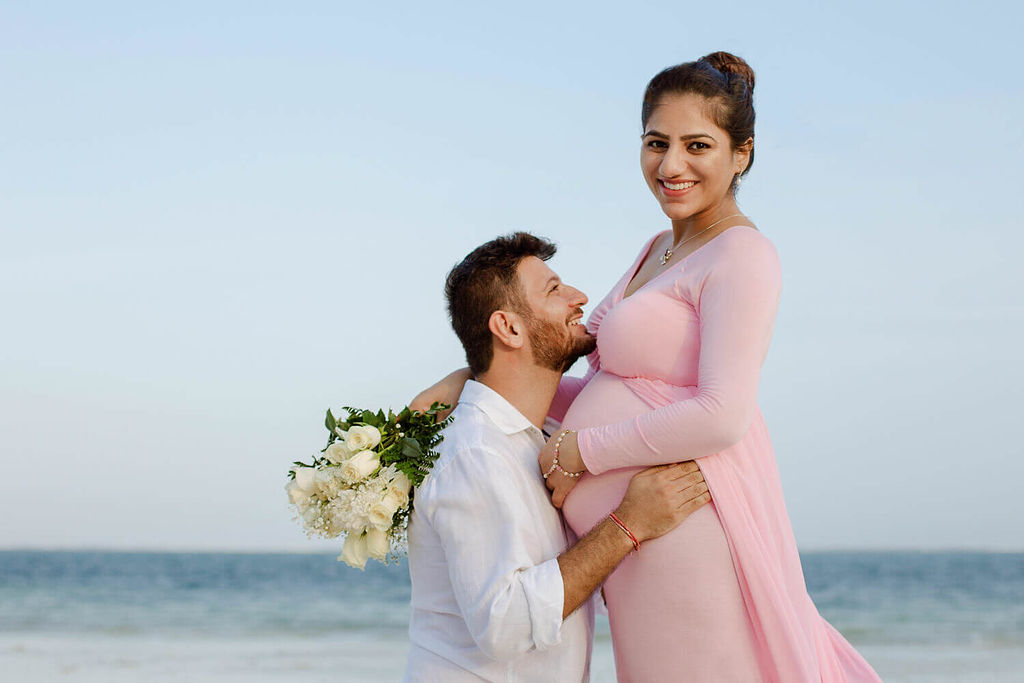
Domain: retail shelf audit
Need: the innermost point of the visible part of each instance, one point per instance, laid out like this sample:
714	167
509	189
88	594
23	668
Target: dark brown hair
725	80
484	282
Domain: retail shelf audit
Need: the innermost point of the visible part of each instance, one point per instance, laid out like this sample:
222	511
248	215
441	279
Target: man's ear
508	328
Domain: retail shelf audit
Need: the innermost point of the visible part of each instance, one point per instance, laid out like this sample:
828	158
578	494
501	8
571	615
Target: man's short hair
484	282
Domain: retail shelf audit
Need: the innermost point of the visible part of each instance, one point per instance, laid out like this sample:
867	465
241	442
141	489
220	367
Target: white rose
340	432
383	512
377	544
337	453
362	438
359	466
304	478
355	552
326	482
301	487
296	496
400	486
396	499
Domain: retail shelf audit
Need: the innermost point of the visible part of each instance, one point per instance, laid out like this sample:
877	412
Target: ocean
113	617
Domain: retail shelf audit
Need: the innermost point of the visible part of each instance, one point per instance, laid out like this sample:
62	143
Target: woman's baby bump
607	399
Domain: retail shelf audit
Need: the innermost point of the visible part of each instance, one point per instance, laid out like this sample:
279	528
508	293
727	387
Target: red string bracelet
636	543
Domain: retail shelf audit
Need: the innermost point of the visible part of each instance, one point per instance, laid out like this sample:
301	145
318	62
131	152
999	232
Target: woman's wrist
572	458
557	461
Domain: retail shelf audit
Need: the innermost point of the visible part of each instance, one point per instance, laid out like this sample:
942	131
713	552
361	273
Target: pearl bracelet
554	462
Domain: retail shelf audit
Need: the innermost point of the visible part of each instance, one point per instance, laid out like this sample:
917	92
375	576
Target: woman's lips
677	189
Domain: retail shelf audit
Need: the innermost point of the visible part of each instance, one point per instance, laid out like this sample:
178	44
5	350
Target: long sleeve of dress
736	299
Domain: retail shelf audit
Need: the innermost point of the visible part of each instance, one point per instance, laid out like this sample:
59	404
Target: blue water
104	616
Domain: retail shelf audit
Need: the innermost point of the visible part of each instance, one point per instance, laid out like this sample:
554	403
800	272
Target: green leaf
411	448
330	422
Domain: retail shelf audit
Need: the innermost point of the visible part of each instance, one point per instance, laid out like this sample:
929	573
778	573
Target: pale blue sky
217	220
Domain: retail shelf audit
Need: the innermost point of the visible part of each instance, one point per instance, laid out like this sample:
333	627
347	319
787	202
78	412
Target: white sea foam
356	658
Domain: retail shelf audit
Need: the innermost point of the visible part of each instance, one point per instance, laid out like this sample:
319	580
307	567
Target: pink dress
722	597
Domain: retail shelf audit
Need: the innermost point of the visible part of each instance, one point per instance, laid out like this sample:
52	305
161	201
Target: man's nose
578	298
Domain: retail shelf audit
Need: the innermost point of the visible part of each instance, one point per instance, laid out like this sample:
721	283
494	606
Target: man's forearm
588	563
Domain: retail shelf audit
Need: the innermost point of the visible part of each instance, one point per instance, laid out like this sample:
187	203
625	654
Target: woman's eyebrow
684	138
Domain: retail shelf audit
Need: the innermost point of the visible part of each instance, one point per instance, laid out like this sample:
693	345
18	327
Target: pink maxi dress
674	377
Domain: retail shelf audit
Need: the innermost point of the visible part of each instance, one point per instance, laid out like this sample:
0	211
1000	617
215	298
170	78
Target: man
495	587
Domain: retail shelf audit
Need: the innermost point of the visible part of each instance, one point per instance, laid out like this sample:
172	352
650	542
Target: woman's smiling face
687	160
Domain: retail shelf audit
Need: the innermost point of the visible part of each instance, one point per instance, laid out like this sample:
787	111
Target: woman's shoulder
740	253
743	242
744	237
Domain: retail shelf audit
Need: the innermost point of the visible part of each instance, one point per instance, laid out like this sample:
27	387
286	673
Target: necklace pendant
666	256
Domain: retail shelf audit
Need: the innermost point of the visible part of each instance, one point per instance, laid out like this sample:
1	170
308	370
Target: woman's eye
698	146
656	144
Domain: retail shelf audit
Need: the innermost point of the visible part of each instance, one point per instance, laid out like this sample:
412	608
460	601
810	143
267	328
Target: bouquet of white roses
361	483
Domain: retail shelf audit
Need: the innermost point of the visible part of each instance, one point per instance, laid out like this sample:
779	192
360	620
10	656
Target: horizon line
185	550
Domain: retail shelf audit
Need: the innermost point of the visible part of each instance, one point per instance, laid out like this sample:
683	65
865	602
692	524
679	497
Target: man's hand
568	459
660	498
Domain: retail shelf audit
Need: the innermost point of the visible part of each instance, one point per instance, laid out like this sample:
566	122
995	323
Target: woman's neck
685	228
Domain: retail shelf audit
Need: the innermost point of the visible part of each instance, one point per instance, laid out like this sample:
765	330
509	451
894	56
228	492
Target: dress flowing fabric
674	377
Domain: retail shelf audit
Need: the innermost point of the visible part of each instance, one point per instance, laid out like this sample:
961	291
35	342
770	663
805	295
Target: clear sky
218	219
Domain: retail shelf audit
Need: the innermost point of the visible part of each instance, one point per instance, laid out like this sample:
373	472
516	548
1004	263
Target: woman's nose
673	162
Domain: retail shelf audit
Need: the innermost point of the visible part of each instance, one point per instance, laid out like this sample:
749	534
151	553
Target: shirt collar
502	413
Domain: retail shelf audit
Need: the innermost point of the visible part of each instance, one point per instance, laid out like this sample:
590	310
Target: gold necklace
668	252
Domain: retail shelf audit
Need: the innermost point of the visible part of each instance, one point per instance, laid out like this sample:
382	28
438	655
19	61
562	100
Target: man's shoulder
469	441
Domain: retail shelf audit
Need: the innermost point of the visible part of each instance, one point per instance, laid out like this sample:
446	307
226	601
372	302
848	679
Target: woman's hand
447	391
569	460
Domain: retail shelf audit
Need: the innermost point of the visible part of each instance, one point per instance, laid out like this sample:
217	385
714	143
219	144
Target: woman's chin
677	211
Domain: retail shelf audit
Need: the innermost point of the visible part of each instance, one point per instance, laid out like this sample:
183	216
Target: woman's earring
736	181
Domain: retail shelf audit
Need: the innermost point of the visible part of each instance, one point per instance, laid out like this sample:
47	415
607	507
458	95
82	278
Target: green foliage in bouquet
408	439
361	483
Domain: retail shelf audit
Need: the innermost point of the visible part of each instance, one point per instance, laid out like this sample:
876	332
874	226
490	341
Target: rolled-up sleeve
510	598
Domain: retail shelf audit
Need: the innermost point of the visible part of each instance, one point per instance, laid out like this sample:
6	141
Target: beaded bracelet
554	462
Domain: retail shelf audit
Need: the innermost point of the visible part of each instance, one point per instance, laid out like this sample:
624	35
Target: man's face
553	316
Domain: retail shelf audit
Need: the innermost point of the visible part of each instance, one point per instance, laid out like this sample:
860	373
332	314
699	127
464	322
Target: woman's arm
737	305
448	390
738	299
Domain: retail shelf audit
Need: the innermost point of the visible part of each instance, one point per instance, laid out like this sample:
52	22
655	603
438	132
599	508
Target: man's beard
554	347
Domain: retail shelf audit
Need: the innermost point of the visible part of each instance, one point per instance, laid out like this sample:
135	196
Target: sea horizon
186	549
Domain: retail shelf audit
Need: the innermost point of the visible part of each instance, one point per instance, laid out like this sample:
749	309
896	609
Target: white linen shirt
484	541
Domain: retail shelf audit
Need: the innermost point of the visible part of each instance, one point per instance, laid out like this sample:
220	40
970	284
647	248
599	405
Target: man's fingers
688	480
673	471
695	503
688	466
654	471
694	493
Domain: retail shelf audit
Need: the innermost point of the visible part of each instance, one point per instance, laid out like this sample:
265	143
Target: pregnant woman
680	342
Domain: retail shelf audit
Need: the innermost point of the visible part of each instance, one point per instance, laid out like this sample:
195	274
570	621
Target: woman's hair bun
729	63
